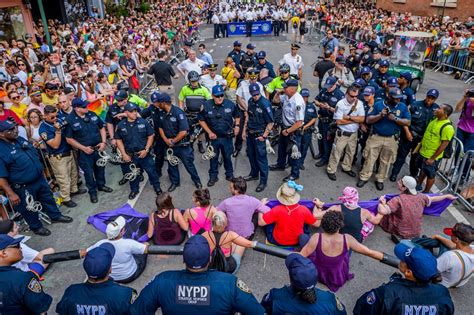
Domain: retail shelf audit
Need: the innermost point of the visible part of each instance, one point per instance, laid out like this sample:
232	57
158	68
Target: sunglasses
352	96
284	72
15	97
21	64
219	96
17	246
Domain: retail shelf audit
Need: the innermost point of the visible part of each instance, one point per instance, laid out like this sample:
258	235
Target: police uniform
295	62
266	65
408	95
248	60
152	115
309	114
236	55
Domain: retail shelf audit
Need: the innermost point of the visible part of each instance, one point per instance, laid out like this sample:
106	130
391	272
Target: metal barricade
452	61
463	180
448	168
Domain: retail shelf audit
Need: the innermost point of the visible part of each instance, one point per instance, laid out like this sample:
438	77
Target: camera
62	123
470	93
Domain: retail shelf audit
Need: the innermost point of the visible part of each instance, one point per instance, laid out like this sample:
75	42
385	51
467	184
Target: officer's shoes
229	178
351	173
212	182
62	219
173	187
123	181
260	187
158	191
105	189
290	177
393	178
201	147
69	204
132	195
198	185
250	178
379	185
361	183
42	231
94	199
302	167
332	176
276	167
80	191
321	163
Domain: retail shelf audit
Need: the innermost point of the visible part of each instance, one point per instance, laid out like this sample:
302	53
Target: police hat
164	98
7	241
237	43
384	63
213	66
250	46
365	70
295	46
253	71
368	90
433	93
98	261
79	102
360	82
204	66
68	90
406	75
6	125
304	92
290	82
261	54
330	81
188	43
303	273
392	82
196	252
421	262
130	107
217	90
254	89
395	93
121	95
154	97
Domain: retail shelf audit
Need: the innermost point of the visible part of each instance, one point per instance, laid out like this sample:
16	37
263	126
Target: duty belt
345	133
325	119
60	155
256	133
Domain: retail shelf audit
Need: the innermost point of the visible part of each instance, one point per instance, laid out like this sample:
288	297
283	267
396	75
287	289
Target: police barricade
462	183
448	168
259	28
451	61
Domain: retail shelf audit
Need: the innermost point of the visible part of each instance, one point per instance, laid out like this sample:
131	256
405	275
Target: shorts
233	263
429	170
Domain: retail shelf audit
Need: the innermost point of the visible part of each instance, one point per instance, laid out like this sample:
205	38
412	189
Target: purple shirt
239	211
466	121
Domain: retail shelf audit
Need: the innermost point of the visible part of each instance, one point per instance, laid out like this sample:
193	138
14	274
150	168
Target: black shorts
429	170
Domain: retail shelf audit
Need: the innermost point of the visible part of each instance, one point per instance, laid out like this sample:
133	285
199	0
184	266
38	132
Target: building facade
461	9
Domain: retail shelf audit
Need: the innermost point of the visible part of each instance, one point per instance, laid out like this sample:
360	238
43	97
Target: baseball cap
340	59
290	82
98	261
120	95
406	75
113	228
433	92
79	102
237	43
250	46
188	43
384	63
360	82
254	89
368	90
395	93
376	51
155	97
304	92
15	79
392	82
462	231
6	125
6	241
330	81
261	54
303	273
217	90
420	261
410	183
196	252
130	107
365	70
164	98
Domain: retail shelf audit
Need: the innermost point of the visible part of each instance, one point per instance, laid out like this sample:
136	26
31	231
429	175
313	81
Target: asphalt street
260	272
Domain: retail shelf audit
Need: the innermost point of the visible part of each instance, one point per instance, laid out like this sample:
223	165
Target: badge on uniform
35	286
298	107
397	113
371	298
339	305
134	296
243	287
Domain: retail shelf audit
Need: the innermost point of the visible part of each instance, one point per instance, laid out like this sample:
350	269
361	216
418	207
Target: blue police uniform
134	135
237	57
110	118
385	127
266	65
21	293
171	124
20	165
105	298
402	296
310	113
408	95
152	115
220	119
380	78
285	301
86	131
260	114
366	59
48	132
184	292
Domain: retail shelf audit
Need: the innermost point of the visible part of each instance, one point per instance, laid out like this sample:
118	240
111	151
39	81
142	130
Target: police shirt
106	298
285	301
267	65
380	78
236	56
219	118
48	132
366	59
405	297
173	122
248	60
113	111
84	130
293	109
194	98
331	98
184	292
310	113
243	90
295	63
421	115
260	114
19	162
21	293
209	82
152	115
408	95
385	127
134	134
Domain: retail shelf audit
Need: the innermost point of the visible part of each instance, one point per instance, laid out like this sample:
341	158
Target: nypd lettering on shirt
91	309
193	295
419	309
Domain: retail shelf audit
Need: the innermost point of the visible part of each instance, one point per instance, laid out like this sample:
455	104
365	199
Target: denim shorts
430	170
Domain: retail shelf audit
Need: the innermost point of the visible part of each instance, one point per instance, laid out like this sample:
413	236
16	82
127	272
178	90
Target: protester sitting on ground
355	217
240	208
200	216
301	296
166	224
130	256
403	214
32	259
330	251
457	264
285	222
231	244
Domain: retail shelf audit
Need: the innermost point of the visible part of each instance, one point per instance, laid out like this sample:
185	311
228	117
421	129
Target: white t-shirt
343	108
123	264
450	267
29	255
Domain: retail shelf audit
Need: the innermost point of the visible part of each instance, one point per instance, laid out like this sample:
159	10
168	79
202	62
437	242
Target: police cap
6	125
254	89
392	82
121	95
250	46
360	83
421	262
395	93
368	90
79	102
303	273
365	70
406	75
295	46
217	90
98	261
130	107
196	252
384	63
290	82
8	241
330	81
261	54
304	92
433	93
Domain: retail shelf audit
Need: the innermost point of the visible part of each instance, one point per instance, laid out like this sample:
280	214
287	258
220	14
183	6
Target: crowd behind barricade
76	108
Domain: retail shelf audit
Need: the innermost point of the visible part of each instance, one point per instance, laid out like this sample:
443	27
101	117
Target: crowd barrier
459	63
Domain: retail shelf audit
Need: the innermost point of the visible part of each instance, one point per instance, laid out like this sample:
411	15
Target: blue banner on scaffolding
258	28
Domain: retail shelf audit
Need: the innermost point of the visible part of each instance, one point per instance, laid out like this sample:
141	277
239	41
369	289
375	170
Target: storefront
15	20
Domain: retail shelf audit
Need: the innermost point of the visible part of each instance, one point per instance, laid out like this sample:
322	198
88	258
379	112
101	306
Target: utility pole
45	25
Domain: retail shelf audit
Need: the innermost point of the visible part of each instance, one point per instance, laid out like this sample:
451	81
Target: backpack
218	259
448	151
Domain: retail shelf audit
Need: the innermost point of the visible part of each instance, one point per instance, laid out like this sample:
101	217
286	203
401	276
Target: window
11	23
444	3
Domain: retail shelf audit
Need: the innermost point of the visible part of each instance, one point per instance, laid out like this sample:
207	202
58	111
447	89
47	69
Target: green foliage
144	7
117	10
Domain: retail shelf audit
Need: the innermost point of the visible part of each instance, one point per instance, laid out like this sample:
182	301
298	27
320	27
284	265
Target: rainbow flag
99	107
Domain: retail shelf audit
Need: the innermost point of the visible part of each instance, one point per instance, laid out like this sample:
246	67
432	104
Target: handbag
134	82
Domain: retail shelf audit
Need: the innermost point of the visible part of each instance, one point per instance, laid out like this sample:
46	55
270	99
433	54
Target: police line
178	250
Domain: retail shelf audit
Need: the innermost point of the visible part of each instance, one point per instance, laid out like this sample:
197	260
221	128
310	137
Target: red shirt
289	222
9	113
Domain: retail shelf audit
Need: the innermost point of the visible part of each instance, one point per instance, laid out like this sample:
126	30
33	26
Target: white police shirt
295	62
209	82
243	90
343	107
293	109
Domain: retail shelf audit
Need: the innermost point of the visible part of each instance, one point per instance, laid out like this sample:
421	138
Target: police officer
236	54
132	98
196	290
60	156
21	292
382	94
212	78
366	56
258	126
135	137
174	130
249	58
276	85
293	107
262	63
366	75
416	292
310	117
301	296
326	102
404	81
85	131
295	61
99	294
22	179
220	120
368	95
422	113
380	75
387	118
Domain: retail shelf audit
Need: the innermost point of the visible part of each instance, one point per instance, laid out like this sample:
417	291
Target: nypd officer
21	292
326	102
220	120
173	129
293	107
85	131
99	294
257	128
22	179
135	137
380	75
310	117
301	296
382	94
196	290
416	292
263	63
404	81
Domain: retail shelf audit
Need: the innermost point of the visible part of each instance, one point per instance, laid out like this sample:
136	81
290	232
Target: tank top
352	222
201	221
332	271
167	231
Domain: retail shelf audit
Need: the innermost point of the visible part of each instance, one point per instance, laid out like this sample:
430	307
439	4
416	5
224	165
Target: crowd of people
72	108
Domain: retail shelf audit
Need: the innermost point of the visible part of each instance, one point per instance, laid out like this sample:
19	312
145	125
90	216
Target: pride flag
99	107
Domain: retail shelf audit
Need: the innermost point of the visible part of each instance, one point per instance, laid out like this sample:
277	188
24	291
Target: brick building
453	8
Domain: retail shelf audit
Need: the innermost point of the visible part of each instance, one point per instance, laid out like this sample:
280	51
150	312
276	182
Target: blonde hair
219	222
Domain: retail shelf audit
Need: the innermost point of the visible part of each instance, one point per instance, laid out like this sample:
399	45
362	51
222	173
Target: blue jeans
186	155
148	166
284	147
257	153
467	140
224	146
93	174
